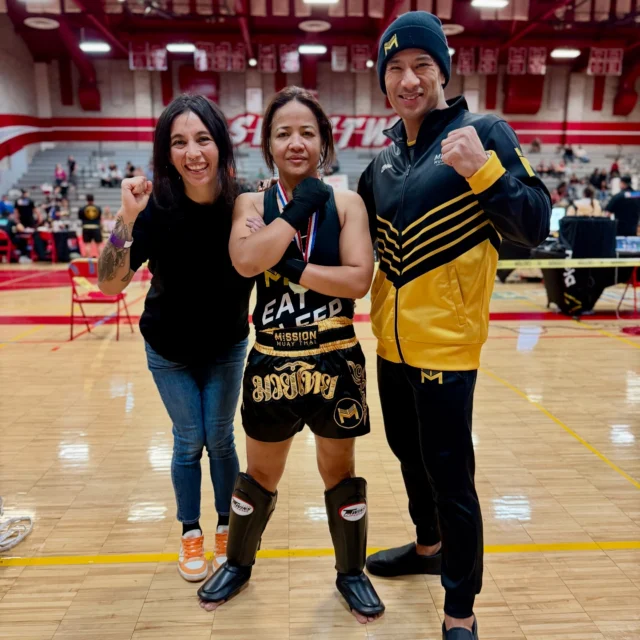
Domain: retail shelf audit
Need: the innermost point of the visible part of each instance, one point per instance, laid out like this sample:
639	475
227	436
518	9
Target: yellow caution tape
570	263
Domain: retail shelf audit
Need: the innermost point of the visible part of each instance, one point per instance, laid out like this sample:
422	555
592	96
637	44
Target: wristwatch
119	242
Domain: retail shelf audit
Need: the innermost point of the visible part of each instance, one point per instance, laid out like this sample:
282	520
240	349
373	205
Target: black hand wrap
308	197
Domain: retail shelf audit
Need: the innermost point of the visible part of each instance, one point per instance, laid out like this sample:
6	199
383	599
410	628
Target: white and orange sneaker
220	550
192	565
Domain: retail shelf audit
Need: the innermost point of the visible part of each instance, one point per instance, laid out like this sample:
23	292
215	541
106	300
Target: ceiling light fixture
489	4
565	53
314	26
253	62
181	47
45	24
320	1
95	47
370	64
451	51
313	49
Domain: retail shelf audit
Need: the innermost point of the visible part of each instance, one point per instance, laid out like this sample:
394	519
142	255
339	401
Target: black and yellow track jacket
438	236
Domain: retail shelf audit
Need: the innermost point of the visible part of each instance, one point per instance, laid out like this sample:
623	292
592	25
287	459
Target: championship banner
238	63
267	60
339	59
203	56
488	61
605	62
466	65
157	57
221	56
537	65
138	56
289	58
360	53
517	61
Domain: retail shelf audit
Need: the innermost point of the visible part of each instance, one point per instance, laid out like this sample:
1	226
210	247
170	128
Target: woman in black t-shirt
195	355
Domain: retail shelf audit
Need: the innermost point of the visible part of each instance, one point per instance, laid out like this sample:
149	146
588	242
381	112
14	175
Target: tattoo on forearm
112	259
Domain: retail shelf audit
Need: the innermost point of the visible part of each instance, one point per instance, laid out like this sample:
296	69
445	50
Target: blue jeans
201	402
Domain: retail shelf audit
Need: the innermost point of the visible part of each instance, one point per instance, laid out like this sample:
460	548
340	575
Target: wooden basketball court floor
85	449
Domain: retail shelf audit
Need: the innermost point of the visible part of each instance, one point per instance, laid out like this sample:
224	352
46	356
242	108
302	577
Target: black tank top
283	306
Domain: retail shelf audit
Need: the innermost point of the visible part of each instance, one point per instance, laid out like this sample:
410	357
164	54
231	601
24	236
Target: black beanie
414	30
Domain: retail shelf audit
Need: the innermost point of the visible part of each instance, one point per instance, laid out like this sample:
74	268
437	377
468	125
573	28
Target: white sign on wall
254	100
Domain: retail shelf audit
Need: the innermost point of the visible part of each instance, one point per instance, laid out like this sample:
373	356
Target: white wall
18	95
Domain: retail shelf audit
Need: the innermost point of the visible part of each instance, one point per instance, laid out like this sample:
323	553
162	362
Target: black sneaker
403	561
459	633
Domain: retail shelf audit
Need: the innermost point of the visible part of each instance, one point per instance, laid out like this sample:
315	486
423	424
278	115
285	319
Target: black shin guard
347	514
251	508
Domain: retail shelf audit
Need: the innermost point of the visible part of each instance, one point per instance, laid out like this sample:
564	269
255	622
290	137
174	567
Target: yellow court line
140	558
24	334
570	431
610	335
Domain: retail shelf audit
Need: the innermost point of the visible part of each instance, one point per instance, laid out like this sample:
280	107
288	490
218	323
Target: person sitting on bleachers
103	174
585	206
559	194
130	170
14	230
542	169
6	206
594	179
536	146
28	214
60	175
115	175
581	154
568	155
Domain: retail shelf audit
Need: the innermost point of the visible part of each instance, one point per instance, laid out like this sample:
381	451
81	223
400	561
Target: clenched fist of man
463	151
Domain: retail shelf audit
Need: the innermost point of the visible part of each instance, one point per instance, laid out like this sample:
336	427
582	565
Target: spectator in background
615	168
625	207
90	216
585	206
60	175
115	175
6	207
568	156
130	170
28	214
594	179
581	154
149	172
103	174
72	176
21	244
559	194
603	192
536	146
108	220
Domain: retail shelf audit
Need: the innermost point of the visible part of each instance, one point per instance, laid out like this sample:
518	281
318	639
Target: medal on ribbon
309	241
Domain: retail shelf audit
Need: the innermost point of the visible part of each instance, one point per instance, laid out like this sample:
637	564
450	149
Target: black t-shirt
626	209
198	304
90	215
25	207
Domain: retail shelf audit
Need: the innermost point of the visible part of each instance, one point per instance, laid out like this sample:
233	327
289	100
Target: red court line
359	317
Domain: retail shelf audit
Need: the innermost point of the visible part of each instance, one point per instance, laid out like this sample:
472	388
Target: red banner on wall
267	62
289	58
537	65
517	61
488	61
605	62
466	65
360	53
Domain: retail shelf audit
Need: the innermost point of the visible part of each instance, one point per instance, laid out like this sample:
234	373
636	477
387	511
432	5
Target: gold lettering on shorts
437	375
351	412
301	380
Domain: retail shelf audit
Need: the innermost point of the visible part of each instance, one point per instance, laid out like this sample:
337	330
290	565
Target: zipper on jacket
395	319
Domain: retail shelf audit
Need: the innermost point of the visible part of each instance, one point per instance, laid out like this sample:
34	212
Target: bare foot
364	619
210	606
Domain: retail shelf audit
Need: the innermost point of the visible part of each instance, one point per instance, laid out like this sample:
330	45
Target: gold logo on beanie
391	43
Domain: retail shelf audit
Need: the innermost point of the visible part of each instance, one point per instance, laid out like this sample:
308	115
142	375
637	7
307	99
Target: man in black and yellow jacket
440	198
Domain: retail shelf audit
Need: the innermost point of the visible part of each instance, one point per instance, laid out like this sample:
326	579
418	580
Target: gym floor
85	450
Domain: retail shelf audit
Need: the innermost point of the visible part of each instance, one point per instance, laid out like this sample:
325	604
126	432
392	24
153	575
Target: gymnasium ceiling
551	23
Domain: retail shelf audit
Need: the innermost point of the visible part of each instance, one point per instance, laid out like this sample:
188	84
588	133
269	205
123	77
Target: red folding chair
6	246
48	238
83	273
634	283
